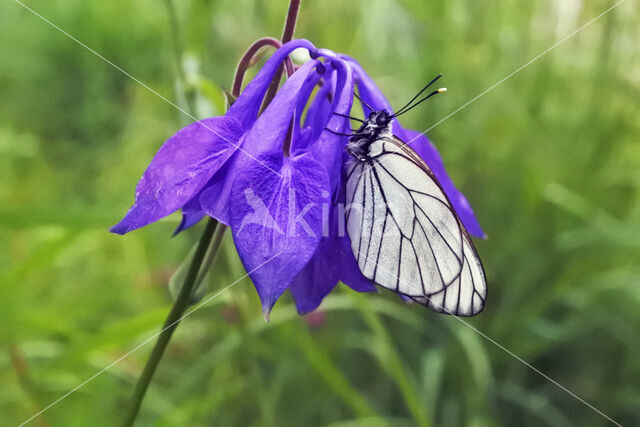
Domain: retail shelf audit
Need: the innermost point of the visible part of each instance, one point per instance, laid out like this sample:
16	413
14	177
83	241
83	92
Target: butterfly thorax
376	126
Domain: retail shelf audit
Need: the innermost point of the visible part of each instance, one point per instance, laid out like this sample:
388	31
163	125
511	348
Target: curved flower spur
278	181
197	160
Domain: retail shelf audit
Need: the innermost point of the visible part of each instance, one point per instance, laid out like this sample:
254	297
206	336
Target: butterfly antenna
435	92
362	102
342	133
418	94
349	117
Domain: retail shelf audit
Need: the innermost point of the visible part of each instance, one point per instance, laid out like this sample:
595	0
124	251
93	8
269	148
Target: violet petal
276	221
182	166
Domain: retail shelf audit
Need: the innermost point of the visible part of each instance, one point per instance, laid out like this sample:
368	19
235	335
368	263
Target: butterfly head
377	123
379	119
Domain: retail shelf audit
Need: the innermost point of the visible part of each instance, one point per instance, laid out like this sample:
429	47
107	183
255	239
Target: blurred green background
550	160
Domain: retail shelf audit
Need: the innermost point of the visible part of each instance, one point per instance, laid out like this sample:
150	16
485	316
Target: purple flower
276	213
190	170
334	260
276	181
289	219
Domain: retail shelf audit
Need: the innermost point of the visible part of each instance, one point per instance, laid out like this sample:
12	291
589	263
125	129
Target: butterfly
404	232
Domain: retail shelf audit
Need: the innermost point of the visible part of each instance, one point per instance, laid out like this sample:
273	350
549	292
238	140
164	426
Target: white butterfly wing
406	236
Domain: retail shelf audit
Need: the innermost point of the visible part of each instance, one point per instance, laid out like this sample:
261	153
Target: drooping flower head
276	179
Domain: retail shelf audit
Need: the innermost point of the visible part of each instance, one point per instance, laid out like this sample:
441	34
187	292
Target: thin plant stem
21	368
172	321
188	93
248	58
287	35
184	297
183	300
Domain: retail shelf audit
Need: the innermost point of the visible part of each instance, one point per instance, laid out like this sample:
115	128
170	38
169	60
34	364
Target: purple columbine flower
334	261
276	217
277	182
310	183
190	170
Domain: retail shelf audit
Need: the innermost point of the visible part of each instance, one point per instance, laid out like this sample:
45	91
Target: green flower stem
184	297
188	92
287	35
173	319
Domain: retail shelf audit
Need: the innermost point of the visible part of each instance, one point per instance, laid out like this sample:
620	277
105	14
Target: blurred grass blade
536	404
391	362
433	363
477	357
214	94
322	363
